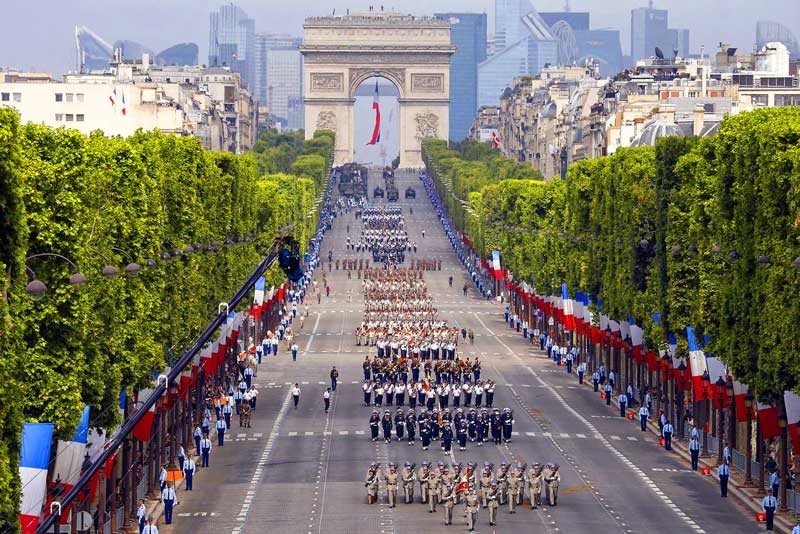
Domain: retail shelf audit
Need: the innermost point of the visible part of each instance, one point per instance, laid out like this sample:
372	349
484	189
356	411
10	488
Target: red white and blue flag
568	308
697	363
33	461
495	139
113	97
124	110
376	131
70	455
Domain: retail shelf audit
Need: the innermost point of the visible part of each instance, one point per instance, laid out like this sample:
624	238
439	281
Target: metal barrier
143	486
793	501
120	518
738	460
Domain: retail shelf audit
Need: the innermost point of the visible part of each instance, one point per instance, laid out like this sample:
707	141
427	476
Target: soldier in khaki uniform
553	481
424	482
501	478
371	483
534	481
408	477
546	472
491	497
514	482
392	479
471	501
485	483
448	499
433	490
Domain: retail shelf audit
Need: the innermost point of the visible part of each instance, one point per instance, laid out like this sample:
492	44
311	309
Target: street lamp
680	383
109	271
36	288
133	268
748	470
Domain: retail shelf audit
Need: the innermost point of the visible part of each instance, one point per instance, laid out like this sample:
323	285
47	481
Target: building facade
284	80
650	30
468	34
232	41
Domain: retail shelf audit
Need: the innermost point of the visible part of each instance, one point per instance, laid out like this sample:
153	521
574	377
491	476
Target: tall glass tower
232	41
468	34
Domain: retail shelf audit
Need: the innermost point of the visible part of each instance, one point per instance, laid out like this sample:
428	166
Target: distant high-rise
508	25
282	89
602	46
182	55
771	32
94	53
577	20
232	41
680	42
648	31
468	34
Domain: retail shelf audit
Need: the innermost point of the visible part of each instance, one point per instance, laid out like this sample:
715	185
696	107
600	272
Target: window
787	100
69	117
4	97
69	97
59	117
79	97
17	97
79	117
59	97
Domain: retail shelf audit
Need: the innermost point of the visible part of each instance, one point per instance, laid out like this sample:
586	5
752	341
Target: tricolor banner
33	461
792	402
496	267
739	394
69	457
144	428
716	370
697	363
768	421
568	308
376	131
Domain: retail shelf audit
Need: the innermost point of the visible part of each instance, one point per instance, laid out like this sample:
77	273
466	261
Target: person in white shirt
205	451
769	504
189	469
141	515
168	498
150	528
326	397
296	395
724	473
162	477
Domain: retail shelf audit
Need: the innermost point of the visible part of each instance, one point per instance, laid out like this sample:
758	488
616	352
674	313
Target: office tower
232	40
283	89
577	20
468	34
601	46
648	31
508	25
93	52
680	42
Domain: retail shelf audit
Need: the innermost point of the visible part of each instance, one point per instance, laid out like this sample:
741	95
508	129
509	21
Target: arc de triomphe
413	53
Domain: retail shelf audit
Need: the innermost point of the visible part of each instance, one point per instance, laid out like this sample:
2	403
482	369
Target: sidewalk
748	496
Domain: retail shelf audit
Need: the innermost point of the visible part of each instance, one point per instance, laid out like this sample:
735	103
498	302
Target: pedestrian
221	426
205	451
334	378
296	395
623	404
644	414
724	473
326	397
168	499
608	390
189	469
227	412
181	457
581	372
694	450
162	477
150	528
294	351
775	482
596	381
769	504
667	433
327	291
726	454
198	435
141	515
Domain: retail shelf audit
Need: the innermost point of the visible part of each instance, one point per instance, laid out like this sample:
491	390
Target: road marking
292	433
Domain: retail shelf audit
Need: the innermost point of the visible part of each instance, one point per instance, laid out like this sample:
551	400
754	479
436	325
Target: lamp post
720	390
748	470
36	288
680	382
704	403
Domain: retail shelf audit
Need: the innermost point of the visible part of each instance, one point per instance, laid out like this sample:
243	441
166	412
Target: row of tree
196	221
702	232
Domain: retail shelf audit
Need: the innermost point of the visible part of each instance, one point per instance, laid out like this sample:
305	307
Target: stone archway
414	53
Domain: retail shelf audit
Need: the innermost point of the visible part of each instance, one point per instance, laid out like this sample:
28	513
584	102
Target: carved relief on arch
396	76
427	126
326	120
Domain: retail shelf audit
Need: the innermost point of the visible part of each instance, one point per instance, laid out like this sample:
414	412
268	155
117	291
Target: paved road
302	471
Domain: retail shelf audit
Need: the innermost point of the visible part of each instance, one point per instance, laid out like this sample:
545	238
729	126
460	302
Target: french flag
739	394
69	457
113	97
33	461
258	298
716	370
768	421
496	267
697	363
124	109
569	309
144	428
495	139
376	131
637	338
792	402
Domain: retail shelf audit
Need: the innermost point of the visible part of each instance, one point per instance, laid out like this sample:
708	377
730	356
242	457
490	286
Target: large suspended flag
33	461
124	109
739	394
569	309
144	428
496	267
70	454
113	97
376	131
495	140
259	291
792	402
768	421
697	363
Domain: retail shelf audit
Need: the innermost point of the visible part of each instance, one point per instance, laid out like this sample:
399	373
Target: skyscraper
680	42
577	20
282	91
649	29
508	25
232	41
468	34
94	53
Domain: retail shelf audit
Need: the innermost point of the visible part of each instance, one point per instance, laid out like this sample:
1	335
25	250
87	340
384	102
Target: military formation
443	426
448	486
383	234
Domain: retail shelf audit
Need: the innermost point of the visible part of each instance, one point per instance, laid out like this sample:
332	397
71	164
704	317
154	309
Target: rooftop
380	19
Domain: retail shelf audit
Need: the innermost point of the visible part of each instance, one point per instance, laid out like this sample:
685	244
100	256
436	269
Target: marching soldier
534	480
471	502
408	477
433	489
485	483
448	499
461	432
491	497
507	421
392	480
374	423
552	481
496	423
411	427
501	480
425	433
424	482
447	437
399	424
386	423
371	483
489	390
514	488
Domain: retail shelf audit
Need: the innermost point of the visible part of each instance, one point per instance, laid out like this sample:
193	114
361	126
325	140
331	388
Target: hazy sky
39	34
